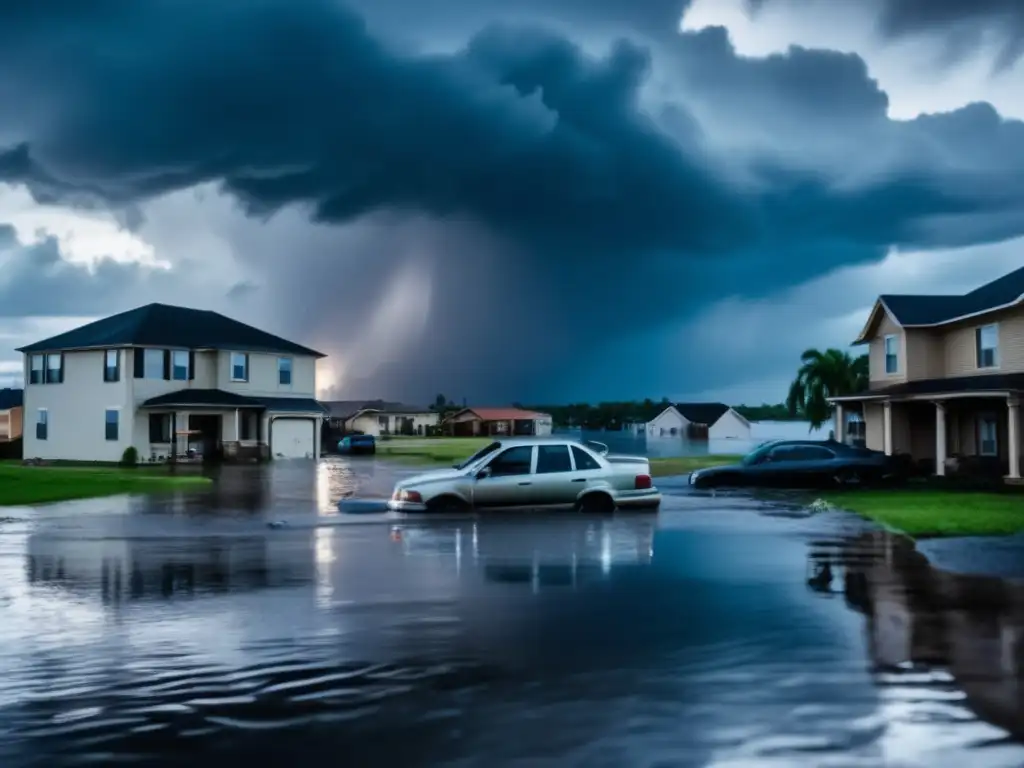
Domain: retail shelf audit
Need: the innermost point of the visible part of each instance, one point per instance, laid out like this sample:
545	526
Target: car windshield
483	452
757	454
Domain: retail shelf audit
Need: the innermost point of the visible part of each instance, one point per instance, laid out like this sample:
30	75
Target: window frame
32	358
43	421
245	363
160	373
175	353
980	349
283	362
509	449
59	376
116	424
573	450
111	374
982	421
568	454
895	355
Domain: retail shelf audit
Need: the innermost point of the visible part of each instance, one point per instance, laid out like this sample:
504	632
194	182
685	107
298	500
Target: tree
832	373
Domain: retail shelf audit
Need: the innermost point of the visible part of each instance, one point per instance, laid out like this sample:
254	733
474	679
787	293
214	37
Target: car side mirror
483	473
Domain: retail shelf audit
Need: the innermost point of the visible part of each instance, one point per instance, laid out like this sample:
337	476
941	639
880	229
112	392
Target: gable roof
911	310
701	413
503	414
165	325
11	398
345	409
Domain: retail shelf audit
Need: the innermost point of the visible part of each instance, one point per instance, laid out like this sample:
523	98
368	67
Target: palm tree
832	373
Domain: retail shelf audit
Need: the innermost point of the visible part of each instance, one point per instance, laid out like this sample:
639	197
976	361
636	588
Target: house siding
876	354
263	376
874	436
11	423
369	425
730	427
668	420
961	354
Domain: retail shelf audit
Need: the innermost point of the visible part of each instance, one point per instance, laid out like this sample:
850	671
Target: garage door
292	438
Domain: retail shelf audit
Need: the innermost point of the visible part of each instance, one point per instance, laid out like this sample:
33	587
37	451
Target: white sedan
532	473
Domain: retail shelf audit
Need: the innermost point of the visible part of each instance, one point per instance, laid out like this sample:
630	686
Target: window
553	458
42	424
112	365
179	365
513	461
284	371
584	460
153	364
37	365
483	452
239	366
783	453
986	344
892	359
988	443
159	427
112	418
811	453
54	368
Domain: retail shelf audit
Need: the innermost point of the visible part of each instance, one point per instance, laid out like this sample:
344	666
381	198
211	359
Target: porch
943	432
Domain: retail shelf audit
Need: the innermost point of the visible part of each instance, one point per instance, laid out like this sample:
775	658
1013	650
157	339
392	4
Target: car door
776	468
508	480
553	480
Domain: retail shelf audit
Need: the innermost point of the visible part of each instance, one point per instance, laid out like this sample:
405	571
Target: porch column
940	438
238	434
887	427
1013	436
840	426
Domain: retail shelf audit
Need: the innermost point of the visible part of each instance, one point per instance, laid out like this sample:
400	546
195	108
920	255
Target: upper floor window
54	368
892	354
239	366
153	361
180	365
112	365
284	371
37	367
986	344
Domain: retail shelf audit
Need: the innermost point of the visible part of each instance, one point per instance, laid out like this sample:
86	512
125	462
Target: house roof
11	398
218	398
164	325
998	382
701	413
344	409
504	414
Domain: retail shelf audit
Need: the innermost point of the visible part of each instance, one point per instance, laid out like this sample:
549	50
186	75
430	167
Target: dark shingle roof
932	310
218	398
164	325
701	413
11	398
998	382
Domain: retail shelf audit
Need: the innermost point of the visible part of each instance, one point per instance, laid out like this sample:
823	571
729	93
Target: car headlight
404	494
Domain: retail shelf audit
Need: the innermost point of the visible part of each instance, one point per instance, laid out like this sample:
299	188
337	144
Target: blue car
357	444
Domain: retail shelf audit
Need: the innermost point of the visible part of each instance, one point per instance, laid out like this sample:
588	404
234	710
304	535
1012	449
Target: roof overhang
877	311
928	396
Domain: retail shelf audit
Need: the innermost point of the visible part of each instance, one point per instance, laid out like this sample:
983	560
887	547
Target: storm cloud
508	205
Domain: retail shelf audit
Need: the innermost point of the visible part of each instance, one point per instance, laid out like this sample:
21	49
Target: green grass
21	485
445	451
923	513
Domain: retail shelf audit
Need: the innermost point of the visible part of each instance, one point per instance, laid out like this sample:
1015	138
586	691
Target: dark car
357	444
800	464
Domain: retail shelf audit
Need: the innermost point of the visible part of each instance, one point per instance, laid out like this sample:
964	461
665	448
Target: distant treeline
613	416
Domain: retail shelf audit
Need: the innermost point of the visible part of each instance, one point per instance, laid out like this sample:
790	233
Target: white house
713	421
166	380
379	417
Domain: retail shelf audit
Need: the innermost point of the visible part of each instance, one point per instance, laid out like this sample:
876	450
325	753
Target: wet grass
927	513
443	451
22	485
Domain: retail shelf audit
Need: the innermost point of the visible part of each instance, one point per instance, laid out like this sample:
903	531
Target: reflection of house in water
119	570
972	626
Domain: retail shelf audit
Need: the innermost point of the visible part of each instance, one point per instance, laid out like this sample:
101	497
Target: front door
510	480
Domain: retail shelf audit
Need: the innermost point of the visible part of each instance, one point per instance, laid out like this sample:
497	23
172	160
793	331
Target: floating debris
819	505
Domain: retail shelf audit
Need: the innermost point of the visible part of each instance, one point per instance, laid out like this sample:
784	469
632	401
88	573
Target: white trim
231	365
885	354
862	337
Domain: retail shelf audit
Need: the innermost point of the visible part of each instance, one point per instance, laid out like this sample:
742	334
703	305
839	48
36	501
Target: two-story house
946	375
169	381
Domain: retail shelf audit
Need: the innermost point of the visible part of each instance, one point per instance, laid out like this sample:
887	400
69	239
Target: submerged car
532	473
357	444
800	464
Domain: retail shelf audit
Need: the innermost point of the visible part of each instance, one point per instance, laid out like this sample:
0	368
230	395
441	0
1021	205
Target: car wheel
447	505
596	504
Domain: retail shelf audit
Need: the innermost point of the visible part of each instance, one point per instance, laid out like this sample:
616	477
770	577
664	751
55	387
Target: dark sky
507	201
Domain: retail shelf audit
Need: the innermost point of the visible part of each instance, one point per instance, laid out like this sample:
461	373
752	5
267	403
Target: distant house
11	414
712	421
168	381
497	422
380	417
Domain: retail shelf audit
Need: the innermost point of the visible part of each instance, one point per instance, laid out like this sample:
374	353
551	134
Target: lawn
39	485
923	513
447	451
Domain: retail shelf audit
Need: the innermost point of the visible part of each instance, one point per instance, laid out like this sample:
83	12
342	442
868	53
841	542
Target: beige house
946	376
498	422
170	381
380	417
11	412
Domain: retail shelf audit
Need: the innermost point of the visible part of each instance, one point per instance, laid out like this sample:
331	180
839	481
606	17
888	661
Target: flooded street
722	632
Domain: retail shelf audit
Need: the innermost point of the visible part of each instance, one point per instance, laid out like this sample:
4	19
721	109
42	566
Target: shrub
130	457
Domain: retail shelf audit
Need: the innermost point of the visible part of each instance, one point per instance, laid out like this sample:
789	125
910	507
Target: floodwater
722	632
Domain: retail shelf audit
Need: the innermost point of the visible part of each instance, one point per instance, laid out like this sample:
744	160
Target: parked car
357	444
800	464
530	473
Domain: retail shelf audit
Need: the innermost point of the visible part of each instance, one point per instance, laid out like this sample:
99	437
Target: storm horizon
536	202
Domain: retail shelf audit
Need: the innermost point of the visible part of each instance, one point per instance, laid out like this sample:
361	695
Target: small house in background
379	417
11	414
699	421
497	422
